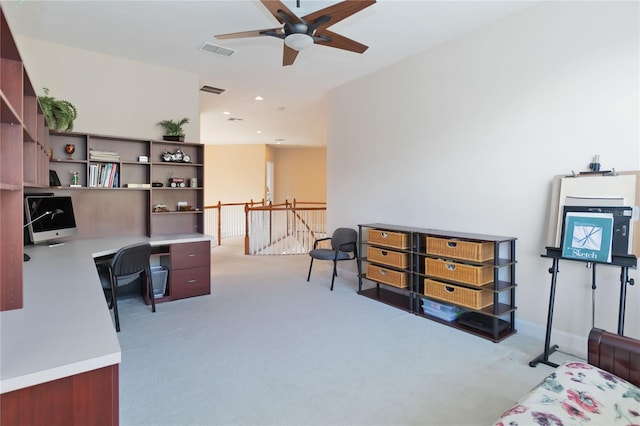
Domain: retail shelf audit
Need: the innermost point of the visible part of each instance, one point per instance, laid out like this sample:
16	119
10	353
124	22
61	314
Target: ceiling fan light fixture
298	41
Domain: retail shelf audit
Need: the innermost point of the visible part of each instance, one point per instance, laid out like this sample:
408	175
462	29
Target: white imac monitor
49	217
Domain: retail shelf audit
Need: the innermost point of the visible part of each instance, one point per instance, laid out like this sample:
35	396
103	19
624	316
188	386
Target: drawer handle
384	234
451	266
383	272
191	254
382	252
191	281
451	244
449	289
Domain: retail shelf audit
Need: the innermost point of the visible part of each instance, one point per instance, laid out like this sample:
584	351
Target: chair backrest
131	260
346	236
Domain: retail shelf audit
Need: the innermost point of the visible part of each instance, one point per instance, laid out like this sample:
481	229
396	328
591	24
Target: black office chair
343	247
127	264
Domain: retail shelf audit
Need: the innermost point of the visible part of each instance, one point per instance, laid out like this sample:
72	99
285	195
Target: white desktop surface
65	327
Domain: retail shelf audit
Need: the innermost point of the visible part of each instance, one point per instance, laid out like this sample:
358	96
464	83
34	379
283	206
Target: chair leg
114	298
310	266
150	290
335	273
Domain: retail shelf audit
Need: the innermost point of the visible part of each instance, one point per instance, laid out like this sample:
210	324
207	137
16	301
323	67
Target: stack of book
103	175
97	155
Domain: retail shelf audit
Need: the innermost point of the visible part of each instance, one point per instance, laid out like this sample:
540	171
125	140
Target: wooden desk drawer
466	250
468	274
467	297
190	282
189	255
390	239
387	276
388	257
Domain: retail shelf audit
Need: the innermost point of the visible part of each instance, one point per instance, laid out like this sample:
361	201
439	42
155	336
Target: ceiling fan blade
288	55
340	42
338	11
244	34
275	5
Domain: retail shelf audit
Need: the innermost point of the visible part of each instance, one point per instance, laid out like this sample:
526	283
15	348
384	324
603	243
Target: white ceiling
170	33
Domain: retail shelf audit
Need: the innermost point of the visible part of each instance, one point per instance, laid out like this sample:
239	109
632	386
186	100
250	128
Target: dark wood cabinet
24	147
89	398
190	269
418	270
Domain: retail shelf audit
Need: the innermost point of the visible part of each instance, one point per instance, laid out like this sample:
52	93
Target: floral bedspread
577	393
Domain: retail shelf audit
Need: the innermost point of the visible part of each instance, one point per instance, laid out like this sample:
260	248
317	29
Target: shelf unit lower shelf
389	297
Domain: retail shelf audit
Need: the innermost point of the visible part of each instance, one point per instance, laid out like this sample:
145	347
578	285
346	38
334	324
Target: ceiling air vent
214	48
234	119
211	89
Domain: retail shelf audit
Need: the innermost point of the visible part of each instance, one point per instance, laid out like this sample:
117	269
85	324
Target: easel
555	253
624	262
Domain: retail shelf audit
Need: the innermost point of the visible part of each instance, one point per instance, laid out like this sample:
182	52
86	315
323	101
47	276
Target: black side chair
343	247
127	264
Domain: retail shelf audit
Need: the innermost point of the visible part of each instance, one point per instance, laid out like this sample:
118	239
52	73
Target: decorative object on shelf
176	182
50	153
143	159
176	157
157	184
59	114
193	183
53	178
173	129
75	177
160	208
70	149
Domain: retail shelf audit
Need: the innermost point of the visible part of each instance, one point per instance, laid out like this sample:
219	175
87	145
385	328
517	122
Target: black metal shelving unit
494	322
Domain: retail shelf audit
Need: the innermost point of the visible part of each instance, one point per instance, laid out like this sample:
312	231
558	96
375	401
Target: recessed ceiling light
258	98
226	113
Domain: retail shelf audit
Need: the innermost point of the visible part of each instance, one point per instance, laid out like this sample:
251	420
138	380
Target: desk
65	328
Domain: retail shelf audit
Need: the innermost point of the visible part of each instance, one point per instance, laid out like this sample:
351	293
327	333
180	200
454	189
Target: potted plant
58	113
173	129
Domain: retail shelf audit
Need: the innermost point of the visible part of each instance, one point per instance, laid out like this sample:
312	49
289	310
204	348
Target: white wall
468	137
114	96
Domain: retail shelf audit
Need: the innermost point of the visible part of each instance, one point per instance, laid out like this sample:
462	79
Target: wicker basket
387	257
468	274
466	250
387	276
389	239
467	297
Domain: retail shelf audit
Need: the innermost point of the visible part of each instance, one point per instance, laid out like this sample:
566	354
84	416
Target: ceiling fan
299	33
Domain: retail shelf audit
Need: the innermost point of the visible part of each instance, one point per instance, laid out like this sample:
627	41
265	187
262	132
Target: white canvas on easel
606	189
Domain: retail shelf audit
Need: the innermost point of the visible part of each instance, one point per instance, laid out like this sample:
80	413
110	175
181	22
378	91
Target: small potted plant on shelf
173	129
58	113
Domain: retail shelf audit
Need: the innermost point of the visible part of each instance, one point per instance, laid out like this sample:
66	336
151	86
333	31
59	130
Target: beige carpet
268	348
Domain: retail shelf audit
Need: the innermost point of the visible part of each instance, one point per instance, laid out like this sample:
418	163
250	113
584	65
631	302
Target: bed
603	391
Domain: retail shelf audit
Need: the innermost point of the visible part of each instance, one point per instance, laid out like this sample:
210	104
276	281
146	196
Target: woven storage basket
468	274
467	297
389	239
466	250
387	276
387	257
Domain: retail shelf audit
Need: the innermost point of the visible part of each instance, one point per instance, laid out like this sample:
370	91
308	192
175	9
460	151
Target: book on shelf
97	155
103	175
588	236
